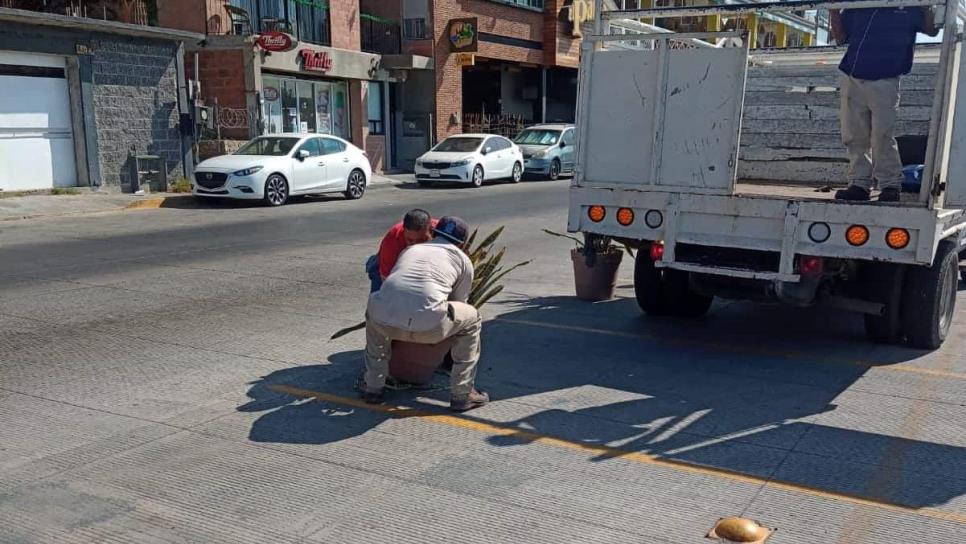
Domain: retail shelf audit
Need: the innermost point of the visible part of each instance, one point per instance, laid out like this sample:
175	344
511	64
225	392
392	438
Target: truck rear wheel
681	300
929	298
648	284
666	291
882	283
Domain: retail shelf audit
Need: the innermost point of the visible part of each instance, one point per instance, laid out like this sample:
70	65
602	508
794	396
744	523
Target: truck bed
801	192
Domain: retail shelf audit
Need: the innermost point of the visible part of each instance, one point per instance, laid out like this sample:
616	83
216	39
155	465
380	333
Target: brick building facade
259	91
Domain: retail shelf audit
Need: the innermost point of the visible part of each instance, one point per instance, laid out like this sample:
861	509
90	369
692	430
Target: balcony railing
307	20
380	35
138	12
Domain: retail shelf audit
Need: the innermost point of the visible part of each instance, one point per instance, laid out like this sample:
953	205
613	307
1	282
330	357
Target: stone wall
135	105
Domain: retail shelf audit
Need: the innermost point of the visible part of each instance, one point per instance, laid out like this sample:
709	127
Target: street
168	376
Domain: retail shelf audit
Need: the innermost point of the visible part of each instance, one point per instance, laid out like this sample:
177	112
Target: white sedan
278	166
471	158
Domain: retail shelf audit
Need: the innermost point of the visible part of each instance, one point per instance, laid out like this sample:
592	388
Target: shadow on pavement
714	392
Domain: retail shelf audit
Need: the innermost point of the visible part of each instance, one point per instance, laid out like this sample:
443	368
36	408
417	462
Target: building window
532	4
415	29
377	123
307	20
295	105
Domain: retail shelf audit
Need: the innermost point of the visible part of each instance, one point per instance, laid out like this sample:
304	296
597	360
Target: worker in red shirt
416	227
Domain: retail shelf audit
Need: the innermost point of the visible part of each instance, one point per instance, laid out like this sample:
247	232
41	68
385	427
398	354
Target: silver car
548	150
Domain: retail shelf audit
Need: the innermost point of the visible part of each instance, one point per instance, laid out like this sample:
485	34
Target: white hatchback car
471	158
278	166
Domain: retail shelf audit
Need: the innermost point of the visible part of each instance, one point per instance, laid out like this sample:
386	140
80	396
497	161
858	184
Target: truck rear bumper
774	231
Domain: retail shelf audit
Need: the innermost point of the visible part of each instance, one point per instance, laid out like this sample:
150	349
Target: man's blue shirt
881	41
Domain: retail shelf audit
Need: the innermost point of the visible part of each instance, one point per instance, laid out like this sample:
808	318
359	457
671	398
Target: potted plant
595	266
416	363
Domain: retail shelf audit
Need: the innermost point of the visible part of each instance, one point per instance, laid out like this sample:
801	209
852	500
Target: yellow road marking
146	203
739	348
611	452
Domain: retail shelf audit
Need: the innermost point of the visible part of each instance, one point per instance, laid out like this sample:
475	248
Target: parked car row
543	150
277	167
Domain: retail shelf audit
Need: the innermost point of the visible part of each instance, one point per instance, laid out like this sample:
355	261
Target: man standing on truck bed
881	43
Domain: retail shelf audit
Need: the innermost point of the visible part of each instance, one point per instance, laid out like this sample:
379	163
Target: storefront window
300	105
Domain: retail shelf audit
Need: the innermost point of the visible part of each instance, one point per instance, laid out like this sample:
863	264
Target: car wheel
517	174
276	190
356	185
554	173
929	299
478	176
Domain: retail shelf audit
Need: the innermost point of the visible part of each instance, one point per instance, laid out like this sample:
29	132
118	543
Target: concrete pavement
166	376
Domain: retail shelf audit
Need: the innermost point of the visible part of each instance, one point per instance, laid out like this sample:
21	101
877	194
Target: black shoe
852	192
475	399
889	195
372	398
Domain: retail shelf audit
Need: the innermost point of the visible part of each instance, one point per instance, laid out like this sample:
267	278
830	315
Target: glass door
323	107
306	101
272	104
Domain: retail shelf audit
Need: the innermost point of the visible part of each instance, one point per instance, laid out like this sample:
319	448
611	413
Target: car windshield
538	137
459	145
271	146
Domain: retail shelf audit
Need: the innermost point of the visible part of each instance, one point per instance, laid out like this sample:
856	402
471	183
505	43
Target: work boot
474	400
852	192
889	195
372	397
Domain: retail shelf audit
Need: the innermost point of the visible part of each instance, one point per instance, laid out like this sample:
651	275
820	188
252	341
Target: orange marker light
596	213
897	238
625	216
857	235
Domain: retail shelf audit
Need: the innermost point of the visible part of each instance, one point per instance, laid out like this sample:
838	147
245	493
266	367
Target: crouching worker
416	228
424	300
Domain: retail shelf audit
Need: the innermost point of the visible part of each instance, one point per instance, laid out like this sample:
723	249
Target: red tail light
657	250
811	266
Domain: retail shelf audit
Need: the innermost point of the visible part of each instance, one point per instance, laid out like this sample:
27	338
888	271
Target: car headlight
541	154
461	162
247	171
419	162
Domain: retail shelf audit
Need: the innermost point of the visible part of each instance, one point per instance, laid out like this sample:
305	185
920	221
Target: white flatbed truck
657	167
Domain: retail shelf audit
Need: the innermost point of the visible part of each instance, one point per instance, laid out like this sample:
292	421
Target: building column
712	23
752	22
781	35
808	39
543	94
358	112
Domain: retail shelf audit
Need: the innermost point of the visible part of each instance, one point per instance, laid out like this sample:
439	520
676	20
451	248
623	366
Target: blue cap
452	228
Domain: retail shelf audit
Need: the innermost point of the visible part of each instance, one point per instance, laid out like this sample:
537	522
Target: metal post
217	124
930	174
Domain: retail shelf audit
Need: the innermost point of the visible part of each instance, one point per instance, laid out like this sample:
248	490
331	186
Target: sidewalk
86	201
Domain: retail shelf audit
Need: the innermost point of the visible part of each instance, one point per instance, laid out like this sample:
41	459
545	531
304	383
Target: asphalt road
166	376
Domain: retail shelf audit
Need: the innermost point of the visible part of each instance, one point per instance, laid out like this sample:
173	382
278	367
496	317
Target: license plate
434	173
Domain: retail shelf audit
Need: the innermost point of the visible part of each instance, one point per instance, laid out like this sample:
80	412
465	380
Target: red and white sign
315	61
270	94
275	41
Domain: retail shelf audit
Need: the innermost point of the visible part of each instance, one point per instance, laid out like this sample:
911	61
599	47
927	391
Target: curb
154	202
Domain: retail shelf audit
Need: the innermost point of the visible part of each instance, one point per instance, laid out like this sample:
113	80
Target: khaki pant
463	323
868	116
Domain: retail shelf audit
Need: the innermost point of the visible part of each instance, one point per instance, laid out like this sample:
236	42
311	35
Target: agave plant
488	270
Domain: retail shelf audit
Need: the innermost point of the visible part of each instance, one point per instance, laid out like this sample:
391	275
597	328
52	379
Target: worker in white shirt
424	300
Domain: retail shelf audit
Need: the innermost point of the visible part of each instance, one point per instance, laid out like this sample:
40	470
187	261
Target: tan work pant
463	323
868	117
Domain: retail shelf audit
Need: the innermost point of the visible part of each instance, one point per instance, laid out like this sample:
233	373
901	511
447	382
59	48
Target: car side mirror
302	155
563	144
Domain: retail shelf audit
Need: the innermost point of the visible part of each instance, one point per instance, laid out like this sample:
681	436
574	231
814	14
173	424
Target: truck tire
648	284
680	299
929	298
882	283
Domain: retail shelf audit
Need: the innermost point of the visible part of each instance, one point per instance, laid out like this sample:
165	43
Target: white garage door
36	145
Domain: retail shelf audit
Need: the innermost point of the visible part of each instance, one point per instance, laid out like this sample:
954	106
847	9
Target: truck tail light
657	250
811	266
857	235
625	216
897	238
596	213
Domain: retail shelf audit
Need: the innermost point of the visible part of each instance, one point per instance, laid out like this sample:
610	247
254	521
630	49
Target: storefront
295	104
